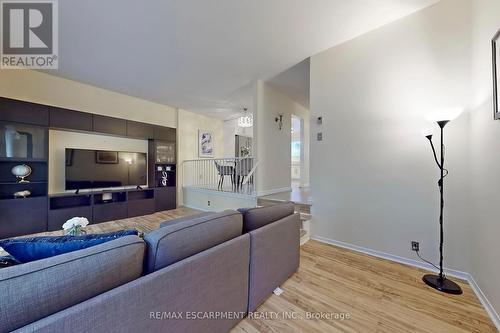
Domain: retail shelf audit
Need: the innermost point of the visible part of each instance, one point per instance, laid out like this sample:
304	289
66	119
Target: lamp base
442	284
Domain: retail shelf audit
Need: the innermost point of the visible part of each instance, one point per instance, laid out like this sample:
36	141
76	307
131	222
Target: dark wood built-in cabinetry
23	143
162	170
64	207
71	120
164	134
28	124
108	125
141	203
23	216
140	130
124	204
165	198
29	113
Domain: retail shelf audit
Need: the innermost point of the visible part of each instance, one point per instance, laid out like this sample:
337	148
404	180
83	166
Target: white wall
60	140
208	200
484	155
46	89
373	178
272	146
187	140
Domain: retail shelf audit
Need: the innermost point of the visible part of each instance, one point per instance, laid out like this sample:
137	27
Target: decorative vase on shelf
75	226
22	171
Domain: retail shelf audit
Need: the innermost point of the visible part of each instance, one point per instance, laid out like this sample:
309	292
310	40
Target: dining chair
224	170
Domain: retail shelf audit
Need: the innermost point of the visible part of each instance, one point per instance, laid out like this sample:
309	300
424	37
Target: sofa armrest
274	257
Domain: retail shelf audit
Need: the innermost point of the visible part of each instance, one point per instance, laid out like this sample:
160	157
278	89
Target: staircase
303	209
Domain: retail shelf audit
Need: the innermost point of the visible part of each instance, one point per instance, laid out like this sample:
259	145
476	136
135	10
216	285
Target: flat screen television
103	169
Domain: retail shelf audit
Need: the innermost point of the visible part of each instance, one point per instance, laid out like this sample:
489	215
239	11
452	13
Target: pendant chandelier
246	120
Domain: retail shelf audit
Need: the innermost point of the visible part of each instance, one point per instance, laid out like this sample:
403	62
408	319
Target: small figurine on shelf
164	178
74	226
21	171
22	194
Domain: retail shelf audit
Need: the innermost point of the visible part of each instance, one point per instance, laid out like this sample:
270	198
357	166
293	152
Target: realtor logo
29	34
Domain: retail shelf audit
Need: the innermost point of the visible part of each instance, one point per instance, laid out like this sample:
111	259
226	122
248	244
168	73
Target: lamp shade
448	114
428	132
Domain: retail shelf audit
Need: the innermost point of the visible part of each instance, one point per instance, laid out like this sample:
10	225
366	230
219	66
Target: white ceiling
196	54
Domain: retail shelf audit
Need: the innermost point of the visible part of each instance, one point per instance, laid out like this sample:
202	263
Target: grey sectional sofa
196	274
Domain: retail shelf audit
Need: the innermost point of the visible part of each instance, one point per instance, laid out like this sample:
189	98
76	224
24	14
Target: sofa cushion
35	248
40	288
254	218
178	240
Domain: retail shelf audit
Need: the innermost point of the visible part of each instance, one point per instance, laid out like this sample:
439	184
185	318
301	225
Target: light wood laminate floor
144	224
379	295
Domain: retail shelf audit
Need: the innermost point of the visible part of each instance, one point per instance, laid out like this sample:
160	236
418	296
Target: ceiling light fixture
246	120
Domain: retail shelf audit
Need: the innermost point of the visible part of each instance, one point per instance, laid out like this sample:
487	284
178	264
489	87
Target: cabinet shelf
37	189
5	198
116	197
65	202
141	195
22	184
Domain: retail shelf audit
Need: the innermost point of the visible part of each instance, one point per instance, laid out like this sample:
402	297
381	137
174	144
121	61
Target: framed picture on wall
496	74
106	157
205	144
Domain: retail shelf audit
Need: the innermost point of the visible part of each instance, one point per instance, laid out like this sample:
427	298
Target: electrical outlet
415	246
208	203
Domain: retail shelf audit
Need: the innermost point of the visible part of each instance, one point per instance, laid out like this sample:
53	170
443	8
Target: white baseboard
273	191
486	303
416	263
392	257
220	193
304	240
197	208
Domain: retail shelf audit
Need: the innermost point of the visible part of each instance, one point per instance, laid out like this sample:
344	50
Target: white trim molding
391	257
226	194
416	263
273	191
486	303
197	208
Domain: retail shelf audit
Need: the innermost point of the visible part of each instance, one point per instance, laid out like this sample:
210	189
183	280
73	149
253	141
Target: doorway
297	151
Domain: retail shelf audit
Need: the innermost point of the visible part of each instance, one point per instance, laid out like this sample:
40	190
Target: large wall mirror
496	74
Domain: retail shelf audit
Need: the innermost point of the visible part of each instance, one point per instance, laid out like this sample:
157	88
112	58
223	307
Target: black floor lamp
440	281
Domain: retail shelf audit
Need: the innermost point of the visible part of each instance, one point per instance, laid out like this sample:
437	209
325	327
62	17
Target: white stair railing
220	174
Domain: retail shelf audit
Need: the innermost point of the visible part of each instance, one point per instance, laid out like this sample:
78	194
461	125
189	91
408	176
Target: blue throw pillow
7	261
35	248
